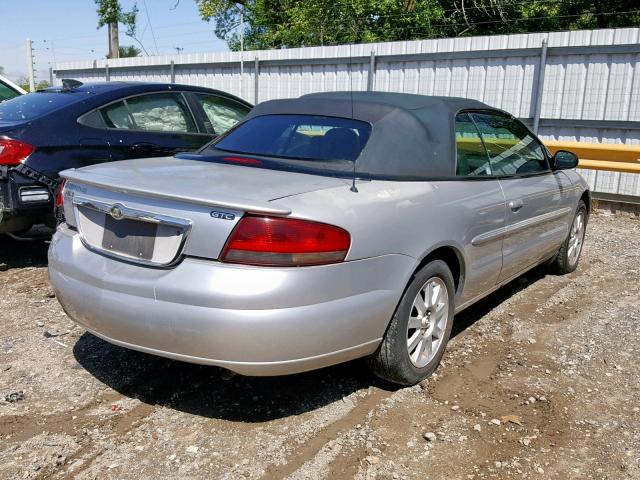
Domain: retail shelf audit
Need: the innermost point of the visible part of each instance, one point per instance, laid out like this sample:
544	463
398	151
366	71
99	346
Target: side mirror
564	160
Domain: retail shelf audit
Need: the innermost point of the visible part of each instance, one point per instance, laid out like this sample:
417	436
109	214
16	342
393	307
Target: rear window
298	137
34	105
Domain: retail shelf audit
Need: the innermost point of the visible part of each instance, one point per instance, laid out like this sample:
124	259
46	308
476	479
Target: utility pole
32	80
114	41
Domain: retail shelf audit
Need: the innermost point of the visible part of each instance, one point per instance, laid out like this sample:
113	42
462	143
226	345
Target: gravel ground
539	381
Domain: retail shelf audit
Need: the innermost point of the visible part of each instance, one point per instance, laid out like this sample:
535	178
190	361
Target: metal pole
51	76
372	71
540	88
256	75
241	50
172	68
32	80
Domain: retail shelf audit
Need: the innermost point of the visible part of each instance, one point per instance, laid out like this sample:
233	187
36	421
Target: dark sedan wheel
566	260
419	330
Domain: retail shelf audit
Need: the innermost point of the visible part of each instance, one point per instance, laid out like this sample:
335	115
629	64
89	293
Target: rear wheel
566	260
419	330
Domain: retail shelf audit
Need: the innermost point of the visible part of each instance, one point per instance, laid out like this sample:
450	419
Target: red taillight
12	152
60	194
285	242
243	160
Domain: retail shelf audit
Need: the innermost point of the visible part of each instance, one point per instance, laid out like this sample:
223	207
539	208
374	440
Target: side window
472	159
222	113
117	115
161	112
7	93
91	119
158	112
513	150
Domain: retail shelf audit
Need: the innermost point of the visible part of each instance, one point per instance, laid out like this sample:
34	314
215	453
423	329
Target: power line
462	24
403	28
527	19
472	7
153	35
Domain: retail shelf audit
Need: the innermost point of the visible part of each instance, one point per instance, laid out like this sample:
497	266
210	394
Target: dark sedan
79	124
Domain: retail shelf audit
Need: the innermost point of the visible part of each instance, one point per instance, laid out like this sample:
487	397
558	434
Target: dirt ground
540	380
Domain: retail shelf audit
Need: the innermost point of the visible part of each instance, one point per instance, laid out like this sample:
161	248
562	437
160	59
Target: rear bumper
15	214
254	321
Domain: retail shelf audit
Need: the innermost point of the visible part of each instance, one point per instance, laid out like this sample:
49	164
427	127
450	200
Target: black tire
391	361
562	263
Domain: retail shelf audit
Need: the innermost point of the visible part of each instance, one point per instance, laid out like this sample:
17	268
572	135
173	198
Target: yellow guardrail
613	157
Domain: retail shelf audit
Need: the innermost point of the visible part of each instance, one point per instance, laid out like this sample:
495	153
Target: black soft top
411	136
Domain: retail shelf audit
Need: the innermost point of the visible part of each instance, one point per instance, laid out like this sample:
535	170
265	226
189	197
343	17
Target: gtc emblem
116	213
223	215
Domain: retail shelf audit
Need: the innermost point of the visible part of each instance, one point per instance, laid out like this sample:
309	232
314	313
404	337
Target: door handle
515	205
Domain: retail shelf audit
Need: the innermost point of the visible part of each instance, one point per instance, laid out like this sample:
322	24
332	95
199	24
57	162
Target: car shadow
21	254
478	310
215	393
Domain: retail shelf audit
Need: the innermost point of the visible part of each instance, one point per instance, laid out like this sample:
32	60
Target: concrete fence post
540	87
372	71
107	75
256	75
172	70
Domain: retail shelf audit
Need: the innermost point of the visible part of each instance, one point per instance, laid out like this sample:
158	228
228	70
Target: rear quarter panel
413	219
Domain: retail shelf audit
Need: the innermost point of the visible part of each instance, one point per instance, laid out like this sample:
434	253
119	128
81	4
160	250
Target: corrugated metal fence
581	86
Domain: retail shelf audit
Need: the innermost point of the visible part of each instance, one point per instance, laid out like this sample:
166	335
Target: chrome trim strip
489	236
502	232
132	214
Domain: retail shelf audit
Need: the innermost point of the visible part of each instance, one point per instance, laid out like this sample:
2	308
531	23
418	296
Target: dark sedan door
152	125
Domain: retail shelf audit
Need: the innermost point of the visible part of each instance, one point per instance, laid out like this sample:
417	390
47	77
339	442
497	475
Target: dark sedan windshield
34	105
298	137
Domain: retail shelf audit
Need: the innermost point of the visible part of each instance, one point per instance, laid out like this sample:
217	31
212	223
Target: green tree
110	11
23	82
129	51
293	23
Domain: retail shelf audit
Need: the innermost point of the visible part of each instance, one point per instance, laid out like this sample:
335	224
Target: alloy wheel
576	238
427	322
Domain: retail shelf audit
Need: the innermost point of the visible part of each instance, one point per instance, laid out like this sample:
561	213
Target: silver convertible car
319	230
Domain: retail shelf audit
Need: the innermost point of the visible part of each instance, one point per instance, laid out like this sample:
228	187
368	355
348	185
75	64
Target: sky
66	30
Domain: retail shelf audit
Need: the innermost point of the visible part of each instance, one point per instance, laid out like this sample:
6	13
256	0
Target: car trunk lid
152	211
9	125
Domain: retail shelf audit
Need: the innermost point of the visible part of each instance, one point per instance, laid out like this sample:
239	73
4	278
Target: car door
481	207
152	125
535	214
